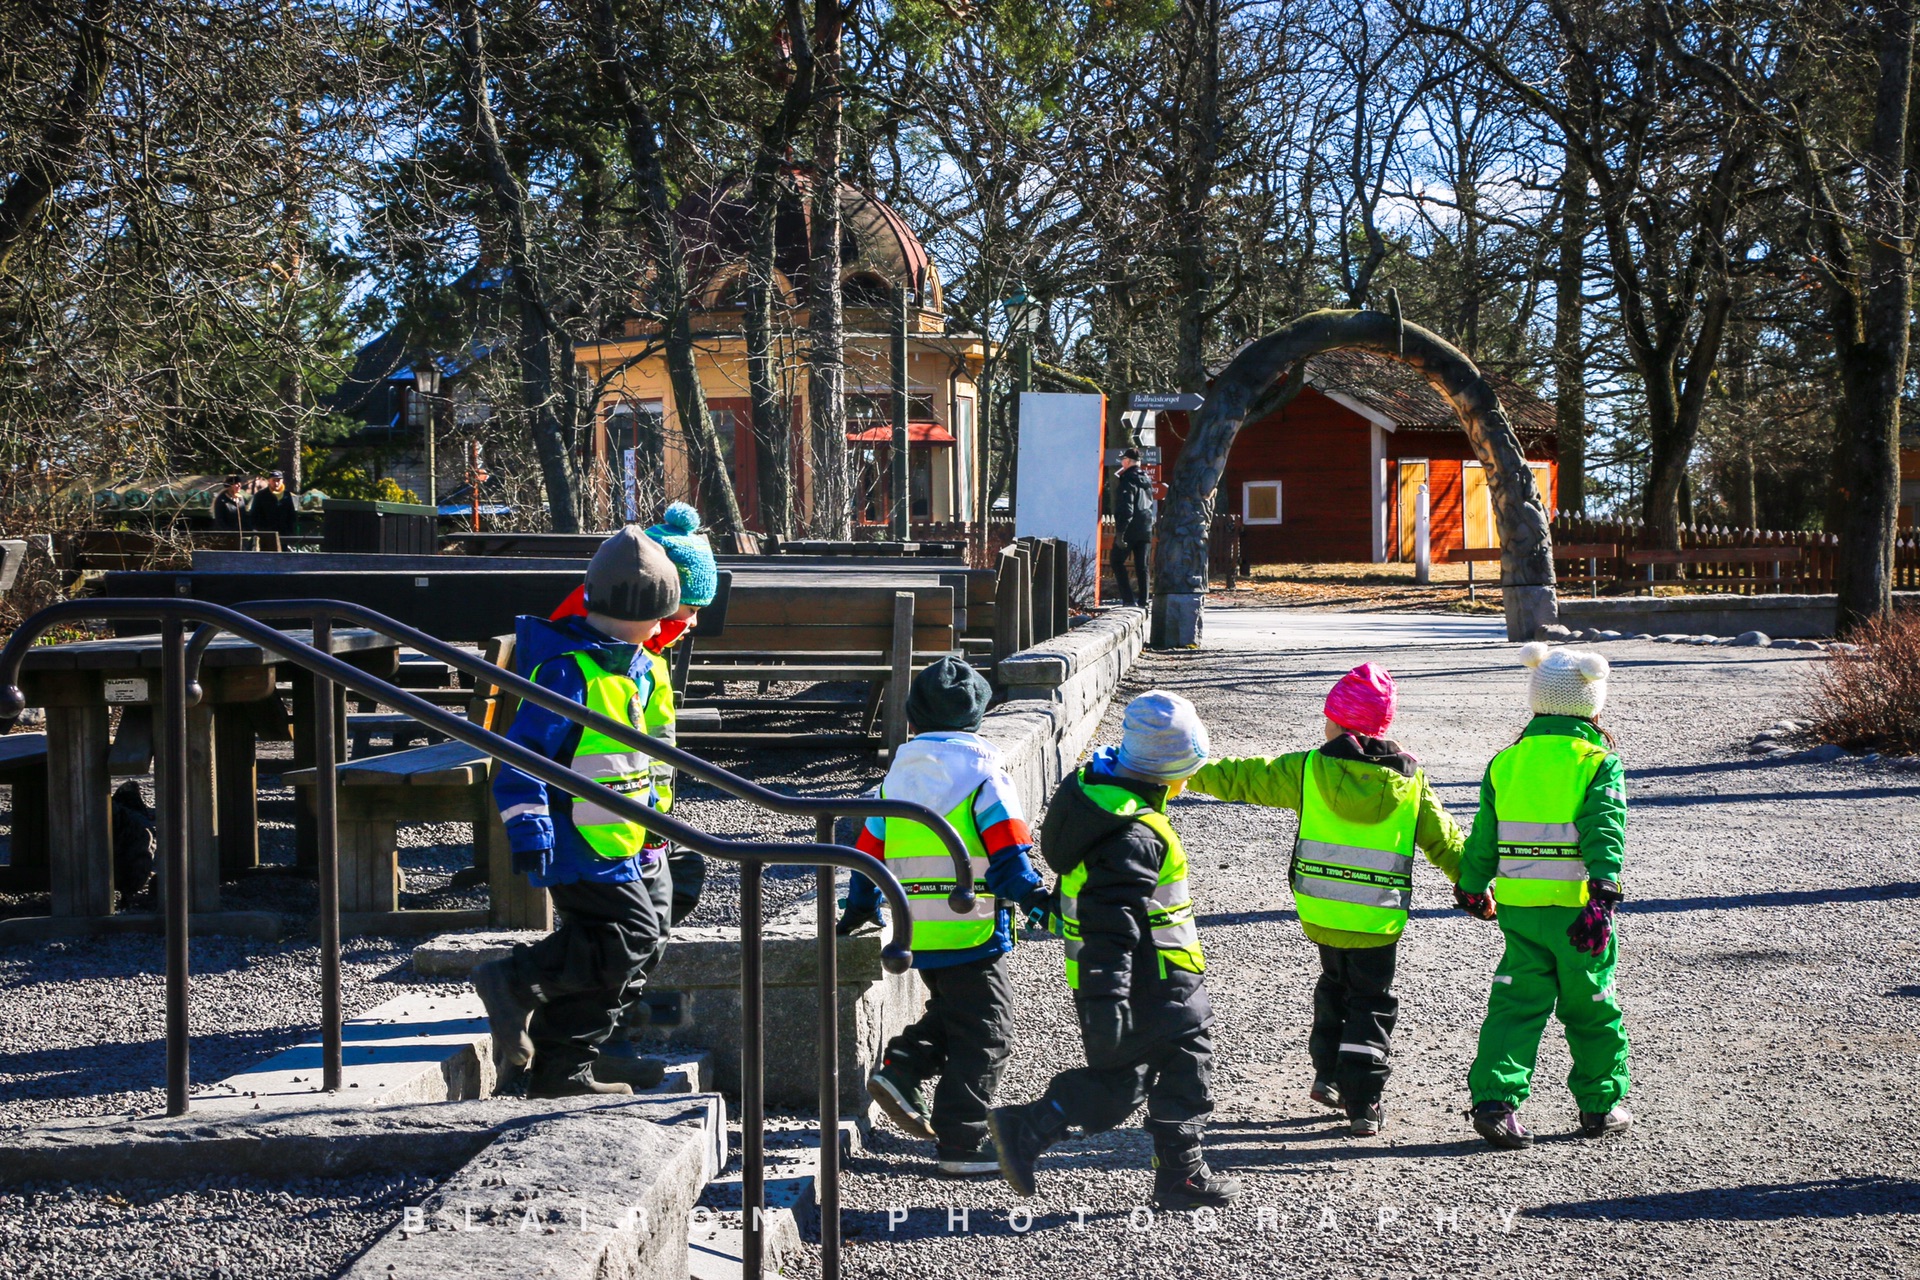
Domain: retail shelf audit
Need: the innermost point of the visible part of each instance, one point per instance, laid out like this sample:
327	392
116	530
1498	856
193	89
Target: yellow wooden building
638	457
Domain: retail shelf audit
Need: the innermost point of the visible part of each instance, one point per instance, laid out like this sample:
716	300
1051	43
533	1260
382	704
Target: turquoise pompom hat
679	532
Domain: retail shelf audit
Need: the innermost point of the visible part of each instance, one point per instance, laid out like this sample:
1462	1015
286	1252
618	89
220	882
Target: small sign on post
1178	401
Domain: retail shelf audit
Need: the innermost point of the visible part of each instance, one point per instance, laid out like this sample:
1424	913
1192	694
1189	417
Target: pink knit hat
1363	700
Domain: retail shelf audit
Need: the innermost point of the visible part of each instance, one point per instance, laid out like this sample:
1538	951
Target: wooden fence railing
1712	558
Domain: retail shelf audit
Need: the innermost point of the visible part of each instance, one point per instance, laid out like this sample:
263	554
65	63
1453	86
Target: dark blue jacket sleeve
521	798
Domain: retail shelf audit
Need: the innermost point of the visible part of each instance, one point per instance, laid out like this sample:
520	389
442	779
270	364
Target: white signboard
1058	479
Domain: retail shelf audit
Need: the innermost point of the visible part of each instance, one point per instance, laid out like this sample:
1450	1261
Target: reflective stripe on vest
924	868
1348	875
611	764
1538	785
1175	931
657	720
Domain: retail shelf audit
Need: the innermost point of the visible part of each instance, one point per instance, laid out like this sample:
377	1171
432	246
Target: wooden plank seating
1740	566
23	768
446	782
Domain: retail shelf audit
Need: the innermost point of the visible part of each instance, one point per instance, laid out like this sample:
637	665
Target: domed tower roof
878	250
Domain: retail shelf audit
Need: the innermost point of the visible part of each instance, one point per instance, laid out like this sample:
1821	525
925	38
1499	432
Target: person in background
272	510
1364	806
552	1004
964	1033
228	514
1133	515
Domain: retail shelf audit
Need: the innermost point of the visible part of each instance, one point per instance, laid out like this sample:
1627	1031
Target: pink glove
1478	905
1592	929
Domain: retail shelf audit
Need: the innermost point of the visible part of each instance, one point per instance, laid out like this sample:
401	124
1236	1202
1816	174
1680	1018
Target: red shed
1334	475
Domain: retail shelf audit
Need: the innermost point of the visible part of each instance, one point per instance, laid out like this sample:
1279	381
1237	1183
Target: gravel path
1768	977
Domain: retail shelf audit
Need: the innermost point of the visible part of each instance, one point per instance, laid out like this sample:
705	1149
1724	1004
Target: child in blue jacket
553	1003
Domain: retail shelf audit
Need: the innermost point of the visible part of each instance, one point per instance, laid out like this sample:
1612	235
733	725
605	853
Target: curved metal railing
180	689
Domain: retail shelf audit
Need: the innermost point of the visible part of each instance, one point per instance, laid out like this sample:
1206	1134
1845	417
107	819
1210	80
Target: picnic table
78	683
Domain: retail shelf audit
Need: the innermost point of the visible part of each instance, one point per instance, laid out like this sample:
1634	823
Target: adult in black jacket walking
1133	513
273	506
228	515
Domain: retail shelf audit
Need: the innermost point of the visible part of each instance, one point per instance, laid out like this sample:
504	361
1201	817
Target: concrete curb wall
1056	694
1799	617
602	1196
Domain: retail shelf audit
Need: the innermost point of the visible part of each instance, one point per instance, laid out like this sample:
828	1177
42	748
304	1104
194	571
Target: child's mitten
1042	912
1592	929
1478	905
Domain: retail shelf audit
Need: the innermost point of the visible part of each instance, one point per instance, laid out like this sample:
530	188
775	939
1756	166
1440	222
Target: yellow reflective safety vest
657	720
1538	784
1176	935
924	868
1356	876
611	764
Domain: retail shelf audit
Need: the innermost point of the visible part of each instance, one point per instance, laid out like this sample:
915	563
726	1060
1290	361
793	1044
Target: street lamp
426	385
1022	318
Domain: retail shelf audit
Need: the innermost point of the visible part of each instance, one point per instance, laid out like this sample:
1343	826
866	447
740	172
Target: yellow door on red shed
1412	476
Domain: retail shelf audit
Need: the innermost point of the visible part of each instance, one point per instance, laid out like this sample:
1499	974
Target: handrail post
173	833
753	1103
326	803
824	922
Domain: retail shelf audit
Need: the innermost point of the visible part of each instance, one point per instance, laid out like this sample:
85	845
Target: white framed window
1260	502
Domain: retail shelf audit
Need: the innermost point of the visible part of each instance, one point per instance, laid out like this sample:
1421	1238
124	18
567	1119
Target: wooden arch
1180	545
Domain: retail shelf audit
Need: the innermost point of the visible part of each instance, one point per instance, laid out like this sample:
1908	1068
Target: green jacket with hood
1361	779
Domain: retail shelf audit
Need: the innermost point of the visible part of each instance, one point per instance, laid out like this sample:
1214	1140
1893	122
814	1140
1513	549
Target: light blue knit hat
1161	737
679	532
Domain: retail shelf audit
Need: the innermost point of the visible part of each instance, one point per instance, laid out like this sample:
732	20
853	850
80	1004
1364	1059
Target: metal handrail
961	899
178	692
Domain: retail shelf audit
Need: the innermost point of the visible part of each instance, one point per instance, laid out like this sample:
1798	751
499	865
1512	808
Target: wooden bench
1592	553
447	782
23	768
1691	556
878	633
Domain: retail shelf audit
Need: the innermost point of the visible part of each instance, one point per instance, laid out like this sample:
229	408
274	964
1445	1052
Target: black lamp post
426	385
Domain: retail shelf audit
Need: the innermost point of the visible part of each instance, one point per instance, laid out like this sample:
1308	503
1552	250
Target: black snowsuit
1133	517
1166	1055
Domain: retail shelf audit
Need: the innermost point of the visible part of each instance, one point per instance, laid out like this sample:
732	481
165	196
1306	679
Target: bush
1869	700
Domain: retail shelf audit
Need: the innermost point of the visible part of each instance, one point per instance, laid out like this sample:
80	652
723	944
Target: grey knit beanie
950	694
1564	682
631	578
1161	737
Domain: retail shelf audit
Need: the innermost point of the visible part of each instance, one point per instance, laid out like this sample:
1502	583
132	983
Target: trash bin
391	528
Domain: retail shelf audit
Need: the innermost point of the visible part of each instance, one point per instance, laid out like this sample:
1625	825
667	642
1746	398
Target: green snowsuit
1541	972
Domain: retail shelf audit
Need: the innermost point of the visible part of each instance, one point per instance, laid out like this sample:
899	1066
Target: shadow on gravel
134	1064
1716	798
1829	1198
1784	898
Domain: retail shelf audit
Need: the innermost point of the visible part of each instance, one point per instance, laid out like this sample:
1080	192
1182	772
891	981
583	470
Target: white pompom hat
1565	682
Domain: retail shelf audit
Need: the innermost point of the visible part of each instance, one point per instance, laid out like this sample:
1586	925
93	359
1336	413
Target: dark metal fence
180	689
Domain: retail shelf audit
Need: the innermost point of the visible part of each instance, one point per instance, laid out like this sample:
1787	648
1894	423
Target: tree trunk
720	505
537	332
1873	357
1569	345
292	409
1180	545
1199	152
48	164
827	358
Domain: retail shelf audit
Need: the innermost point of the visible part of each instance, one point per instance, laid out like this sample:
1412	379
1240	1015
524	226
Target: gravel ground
224	1231
1767	974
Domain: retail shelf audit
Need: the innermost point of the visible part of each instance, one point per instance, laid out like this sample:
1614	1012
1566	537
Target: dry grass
1360	587
1869	700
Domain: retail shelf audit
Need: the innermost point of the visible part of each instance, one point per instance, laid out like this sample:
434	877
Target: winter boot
1601	1124
510	1003
1327	1094
1499	1124
903	1099
1020	1134
620	1061
580	1084
984	1158
1365	1120
1181	1180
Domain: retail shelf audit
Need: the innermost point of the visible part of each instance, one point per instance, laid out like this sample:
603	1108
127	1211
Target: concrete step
420	1047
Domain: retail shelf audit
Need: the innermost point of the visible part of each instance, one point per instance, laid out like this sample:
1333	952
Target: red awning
917	433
